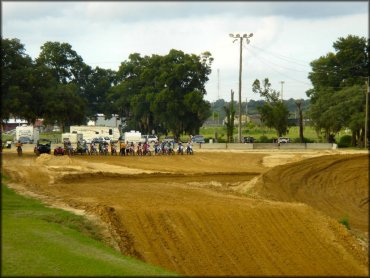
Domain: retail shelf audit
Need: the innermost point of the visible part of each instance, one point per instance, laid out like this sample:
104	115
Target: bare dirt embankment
216	213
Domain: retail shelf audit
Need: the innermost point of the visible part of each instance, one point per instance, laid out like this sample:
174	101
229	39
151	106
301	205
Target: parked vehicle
198	139
42	146
248	139
150	138
283	140
59	151
30	132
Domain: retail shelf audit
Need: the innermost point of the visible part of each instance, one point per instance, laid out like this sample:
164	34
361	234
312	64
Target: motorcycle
113	150
19	150
189	149
180	150
147	151
93	150
157	150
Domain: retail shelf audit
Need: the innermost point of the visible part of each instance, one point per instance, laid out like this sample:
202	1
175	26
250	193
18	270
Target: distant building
12	123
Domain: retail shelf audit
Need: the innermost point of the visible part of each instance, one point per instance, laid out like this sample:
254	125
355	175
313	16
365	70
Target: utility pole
246	37
282	84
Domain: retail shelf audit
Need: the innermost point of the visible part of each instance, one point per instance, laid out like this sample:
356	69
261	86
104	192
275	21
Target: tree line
338	96
166	93
161	93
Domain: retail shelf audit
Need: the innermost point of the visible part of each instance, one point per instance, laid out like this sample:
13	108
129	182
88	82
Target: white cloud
105	33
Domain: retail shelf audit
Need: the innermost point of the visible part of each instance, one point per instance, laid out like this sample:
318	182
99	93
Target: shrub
264	139
345	141
305	140
345	221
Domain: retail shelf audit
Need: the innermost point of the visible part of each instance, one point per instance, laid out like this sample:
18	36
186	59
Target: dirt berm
217	213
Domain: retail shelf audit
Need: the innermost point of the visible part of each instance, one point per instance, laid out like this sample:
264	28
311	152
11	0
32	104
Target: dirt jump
216	212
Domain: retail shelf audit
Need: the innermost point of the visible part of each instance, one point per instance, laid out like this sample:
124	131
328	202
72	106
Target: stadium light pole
240	37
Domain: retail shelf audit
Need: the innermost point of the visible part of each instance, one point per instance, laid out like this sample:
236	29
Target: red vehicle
59	150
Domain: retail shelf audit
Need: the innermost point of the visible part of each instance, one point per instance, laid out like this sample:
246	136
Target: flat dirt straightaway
216	213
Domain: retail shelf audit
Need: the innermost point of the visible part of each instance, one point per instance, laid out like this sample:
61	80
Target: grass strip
41	241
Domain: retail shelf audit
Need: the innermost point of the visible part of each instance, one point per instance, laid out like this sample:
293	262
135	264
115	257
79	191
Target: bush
264	139
305	140
345	221
345	141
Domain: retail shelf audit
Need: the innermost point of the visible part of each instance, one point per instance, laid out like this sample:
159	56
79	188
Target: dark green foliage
230	116
274	113
345	141
161	93
264	139
345	221
338	94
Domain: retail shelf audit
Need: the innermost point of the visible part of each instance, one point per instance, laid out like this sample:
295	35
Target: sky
287	36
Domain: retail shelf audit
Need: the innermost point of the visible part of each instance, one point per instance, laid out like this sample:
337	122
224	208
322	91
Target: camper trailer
91	132
27	131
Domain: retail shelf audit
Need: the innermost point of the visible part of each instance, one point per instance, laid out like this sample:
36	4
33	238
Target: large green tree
338	93
15	68
274	113
163	93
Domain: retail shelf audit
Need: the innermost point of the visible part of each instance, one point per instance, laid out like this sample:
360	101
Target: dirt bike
93	150
130	150
147	152
113	150
189	149
180	150
157	150
19	150
69	150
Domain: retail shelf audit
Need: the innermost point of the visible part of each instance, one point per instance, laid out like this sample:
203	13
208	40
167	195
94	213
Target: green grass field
42	241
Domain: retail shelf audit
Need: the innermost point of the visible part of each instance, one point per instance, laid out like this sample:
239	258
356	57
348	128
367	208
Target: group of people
160	148
125	148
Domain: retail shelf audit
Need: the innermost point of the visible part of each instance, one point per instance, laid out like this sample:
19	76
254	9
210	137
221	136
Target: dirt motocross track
217	213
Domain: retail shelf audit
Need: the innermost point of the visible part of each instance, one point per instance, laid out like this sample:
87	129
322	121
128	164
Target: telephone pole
246	37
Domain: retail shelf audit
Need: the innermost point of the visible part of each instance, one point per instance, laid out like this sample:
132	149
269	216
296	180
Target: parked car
198	139
59	151
42	146
283	140
150	138
248	139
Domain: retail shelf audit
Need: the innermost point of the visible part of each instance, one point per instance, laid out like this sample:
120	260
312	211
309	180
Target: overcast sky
287	36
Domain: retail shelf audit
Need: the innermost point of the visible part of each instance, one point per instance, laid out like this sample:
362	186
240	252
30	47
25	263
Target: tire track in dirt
336	185
182	223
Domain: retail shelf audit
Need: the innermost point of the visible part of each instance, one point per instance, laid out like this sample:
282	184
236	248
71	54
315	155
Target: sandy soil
216	213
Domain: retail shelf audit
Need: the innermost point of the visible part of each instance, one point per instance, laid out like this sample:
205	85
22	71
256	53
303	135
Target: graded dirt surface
216	212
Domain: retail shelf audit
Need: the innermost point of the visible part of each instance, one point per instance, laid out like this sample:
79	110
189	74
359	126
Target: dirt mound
49	160
190	220
336	185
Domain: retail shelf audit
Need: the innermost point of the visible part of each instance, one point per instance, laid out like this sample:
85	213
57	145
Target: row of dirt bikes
129	150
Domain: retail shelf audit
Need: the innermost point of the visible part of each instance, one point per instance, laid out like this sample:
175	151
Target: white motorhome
91	132
27	131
